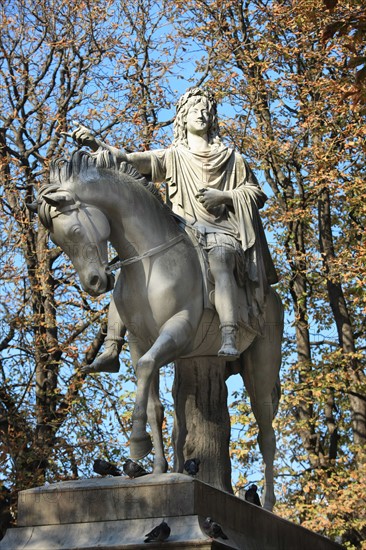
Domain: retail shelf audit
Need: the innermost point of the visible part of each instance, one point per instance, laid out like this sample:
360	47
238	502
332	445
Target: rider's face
198	120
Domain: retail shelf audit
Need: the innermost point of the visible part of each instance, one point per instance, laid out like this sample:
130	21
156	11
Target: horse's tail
276	396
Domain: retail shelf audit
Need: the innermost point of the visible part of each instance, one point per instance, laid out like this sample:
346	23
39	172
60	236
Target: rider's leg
108	360
222	264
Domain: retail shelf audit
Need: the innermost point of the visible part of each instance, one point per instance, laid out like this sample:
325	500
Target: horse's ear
32	206
56	198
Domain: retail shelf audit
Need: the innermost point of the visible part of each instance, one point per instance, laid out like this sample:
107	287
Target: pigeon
104	468
132	469
251	495
159	534
213	529
191	466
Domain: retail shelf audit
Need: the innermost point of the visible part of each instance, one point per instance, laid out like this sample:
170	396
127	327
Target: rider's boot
229	348
108	360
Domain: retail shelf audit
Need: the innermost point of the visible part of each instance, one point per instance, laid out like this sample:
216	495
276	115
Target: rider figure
212	188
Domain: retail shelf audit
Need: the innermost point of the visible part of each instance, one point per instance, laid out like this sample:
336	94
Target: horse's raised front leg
155	417
174	337
155	411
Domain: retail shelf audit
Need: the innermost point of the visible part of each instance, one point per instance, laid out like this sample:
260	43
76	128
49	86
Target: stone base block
116	535
116	513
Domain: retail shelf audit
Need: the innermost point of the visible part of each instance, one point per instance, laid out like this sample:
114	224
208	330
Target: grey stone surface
106	499
116	513
129	534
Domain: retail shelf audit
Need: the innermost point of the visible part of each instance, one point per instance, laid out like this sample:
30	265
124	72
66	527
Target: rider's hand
210	198
83	136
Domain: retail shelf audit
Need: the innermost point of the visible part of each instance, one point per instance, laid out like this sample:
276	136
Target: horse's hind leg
170	344
261	368
262	407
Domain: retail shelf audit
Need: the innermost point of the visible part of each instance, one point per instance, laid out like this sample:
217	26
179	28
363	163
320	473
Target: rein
117	264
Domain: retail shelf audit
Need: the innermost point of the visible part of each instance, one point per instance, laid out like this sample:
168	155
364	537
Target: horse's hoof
140	447
160	467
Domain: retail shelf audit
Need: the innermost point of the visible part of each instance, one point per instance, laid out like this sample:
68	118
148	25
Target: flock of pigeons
161	532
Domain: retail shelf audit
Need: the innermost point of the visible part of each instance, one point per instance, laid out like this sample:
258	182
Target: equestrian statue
193	273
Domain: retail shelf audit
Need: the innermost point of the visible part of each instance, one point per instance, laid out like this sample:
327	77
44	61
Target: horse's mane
81	160
62	170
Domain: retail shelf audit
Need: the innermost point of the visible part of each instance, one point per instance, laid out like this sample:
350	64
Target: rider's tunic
186	172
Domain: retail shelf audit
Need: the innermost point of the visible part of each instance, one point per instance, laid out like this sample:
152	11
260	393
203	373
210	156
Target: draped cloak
186	172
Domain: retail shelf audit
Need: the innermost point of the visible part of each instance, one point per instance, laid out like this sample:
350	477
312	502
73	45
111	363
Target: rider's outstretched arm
83	136
141	161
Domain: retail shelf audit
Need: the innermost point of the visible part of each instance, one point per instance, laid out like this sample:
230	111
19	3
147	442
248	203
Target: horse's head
82	232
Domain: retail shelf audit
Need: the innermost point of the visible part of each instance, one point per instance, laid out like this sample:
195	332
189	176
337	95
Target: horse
92	199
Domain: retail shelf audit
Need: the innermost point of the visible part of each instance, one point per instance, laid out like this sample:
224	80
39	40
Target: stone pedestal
116	513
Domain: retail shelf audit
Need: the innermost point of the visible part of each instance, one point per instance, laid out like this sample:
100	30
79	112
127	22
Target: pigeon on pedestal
104	468
213	529
132	469
251	495
191	466
160	533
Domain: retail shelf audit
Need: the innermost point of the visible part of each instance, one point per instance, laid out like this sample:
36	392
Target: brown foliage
347	25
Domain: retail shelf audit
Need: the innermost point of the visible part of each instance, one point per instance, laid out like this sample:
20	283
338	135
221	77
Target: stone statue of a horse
91	200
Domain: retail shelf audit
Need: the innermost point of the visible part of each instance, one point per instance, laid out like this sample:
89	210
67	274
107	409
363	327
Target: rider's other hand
210	198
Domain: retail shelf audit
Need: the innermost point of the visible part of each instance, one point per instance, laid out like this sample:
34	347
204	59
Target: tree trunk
342	319
202	421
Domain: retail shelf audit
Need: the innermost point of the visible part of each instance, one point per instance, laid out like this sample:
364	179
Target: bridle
116	263
86	222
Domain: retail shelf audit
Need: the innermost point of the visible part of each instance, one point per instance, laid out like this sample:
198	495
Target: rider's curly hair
187	100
